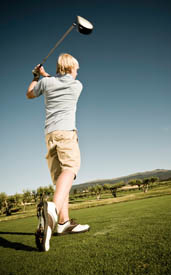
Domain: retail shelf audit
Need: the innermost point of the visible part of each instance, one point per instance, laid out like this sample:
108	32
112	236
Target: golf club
83	26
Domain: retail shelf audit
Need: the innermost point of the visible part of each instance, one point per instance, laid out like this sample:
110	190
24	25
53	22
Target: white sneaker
70	227
47	215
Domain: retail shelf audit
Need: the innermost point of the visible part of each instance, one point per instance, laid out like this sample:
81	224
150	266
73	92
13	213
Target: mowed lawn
125	238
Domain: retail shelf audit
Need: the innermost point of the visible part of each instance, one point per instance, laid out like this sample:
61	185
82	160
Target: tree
18	199
149	181
43	193
98	189
34	195
27	197
154	180
40	193
91	189
115	187
3	198
137	182
9	204
106	187
145	184
50	190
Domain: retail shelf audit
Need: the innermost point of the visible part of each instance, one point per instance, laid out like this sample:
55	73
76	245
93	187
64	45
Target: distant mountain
162	174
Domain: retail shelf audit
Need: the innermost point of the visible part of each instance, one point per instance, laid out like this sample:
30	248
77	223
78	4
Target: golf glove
36	74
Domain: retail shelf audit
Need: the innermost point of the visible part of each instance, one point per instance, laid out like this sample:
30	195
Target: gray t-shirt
61	94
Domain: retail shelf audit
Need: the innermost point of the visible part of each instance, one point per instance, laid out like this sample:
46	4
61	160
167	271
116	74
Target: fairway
125	238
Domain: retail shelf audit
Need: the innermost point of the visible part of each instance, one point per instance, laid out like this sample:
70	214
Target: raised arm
38	71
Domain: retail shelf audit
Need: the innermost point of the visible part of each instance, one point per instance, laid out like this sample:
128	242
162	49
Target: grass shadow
16	245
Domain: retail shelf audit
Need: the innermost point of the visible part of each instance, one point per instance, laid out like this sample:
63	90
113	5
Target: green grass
125	238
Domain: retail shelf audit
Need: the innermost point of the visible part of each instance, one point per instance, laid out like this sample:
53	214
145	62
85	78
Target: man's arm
40	71
30	93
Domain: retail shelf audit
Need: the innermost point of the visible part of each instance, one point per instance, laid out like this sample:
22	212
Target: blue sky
124	112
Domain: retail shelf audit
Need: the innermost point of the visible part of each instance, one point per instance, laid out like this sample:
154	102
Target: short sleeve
39	88
79	87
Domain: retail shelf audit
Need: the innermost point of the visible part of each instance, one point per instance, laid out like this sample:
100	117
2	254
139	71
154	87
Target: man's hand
39	70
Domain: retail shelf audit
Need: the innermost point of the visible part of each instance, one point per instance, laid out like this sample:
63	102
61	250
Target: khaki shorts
63	153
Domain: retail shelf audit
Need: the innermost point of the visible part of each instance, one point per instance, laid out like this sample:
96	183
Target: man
61	94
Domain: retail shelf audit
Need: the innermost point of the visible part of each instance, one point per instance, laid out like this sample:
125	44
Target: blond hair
66	63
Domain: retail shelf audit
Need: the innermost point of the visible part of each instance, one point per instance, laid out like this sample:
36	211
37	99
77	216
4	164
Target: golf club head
83	25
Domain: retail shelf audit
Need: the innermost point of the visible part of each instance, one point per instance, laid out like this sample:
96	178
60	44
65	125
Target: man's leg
63	186
46	210
61	197
64	213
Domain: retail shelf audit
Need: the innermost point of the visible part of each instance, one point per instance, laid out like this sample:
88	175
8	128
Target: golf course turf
131	237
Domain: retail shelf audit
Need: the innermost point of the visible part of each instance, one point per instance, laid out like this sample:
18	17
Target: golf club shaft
58	43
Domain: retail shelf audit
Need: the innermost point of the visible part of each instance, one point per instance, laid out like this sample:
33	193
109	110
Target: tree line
142	184
17	202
